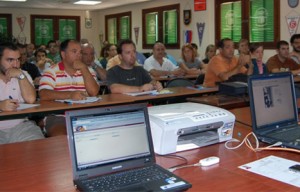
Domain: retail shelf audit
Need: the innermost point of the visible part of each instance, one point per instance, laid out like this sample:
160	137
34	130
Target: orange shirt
218	65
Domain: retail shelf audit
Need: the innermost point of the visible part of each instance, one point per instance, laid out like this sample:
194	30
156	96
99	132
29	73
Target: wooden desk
168	78
48	107
164	79
53	107
178	93
44	165
223	101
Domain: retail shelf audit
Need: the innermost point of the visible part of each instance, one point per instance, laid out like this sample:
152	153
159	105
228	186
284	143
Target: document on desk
153	92
26	106
142	93
275	168
198	87
87	100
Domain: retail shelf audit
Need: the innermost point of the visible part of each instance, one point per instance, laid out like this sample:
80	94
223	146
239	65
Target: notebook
111	142
274	109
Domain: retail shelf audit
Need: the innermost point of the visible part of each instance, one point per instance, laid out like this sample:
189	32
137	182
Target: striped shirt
57	79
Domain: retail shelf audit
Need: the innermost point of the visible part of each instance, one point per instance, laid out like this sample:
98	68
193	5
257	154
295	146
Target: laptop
274	109
110	144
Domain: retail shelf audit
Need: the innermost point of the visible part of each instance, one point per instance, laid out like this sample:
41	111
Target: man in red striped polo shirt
69	79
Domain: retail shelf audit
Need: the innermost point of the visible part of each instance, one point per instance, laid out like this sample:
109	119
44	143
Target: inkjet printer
184	126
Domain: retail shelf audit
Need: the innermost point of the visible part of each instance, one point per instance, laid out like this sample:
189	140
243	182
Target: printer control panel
209	115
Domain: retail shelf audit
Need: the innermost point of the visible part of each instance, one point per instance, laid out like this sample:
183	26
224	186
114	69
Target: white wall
92	34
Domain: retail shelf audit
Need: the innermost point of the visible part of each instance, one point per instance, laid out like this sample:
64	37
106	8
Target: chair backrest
179	82
200	79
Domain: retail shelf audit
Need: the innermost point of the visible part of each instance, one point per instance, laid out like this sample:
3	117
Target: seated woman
110	51
209	53
189	63
257	52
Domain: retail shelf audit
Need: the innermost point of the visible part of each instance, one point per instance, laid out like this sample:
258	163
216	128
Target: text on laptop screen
103	139
273	100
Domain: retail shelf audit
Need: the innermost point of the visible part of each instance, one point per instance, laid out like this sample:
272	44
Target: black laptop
274	109
111	150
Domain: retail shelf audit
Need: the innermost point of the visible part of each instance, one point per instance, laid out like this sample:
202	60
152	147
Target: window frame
56	19
8	18
160	11
118	17
245	4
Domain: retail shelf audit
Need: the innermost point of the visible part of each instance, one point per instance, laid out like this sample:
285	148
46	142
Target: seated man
26	66
116	61
224	65
53	51
88	58
69	79
16	86
126	77
281	61
295	42
157	65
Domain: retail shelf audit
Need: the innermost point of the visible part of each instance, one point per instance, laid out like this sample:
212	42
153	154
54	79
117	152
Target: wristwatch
94	67
21	76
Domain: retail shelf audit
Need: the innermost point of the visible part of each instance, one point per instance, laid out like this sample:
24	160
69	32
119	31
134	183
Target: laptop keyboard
116	181
291	135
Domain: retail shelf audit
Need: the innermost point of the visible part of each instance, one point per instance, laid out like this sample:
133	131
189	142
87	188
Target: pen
68	102
10	97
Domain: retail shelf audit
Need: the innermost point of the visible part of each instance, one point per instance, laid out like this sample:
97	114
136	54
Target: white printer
184	126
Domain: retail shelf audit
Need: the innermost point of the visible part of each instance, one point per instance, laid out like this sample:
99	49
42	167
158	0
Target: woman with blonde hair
189	61
209	53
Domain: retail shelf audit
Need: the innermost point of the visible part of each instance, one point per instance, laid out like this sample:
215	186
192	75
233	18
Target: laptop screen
102	137
272	100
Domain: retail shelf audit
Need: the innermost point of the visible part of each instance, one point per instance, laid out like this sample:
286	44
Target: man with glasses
16	87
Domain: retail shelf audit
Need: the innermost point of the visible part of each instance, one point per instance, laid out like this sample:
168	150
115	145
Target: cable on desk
178	157
256	148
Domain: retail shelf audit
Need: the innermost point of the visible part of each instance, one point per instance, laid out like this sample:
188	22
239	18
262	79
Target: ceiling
67	4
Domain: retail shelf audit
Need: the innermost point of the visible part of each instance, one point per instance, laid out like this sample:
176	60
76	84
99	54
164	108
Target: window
118	27
5	26
161	24
256	20
45	28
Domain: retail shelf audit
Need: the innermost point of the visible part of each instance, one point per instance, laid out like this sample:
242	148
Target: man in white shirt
16	86
157	65
88	58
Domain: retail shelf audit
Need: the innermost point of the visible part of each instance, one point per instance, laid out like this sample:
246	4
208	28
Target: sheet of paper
26	106
142	93
275	168
87	100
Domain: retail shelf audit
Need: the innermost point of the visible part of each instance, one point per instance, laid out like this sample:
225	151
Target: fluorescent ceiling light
15	0
87	2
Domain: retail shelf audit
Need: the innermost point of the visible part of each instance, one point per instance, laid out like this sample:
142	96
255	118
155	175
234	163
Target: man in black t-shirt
26	66
127	77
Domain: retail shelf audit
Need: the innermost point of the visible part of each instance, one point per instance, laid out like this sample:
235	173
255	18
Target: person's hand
36	81
78	95
178	72
41	63
146	87
13	73
79	65
244	60
9	105
157	85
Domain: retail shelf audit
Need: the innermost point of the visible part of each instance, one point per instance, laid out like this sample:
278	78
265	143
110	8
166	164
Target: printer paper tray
199	139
